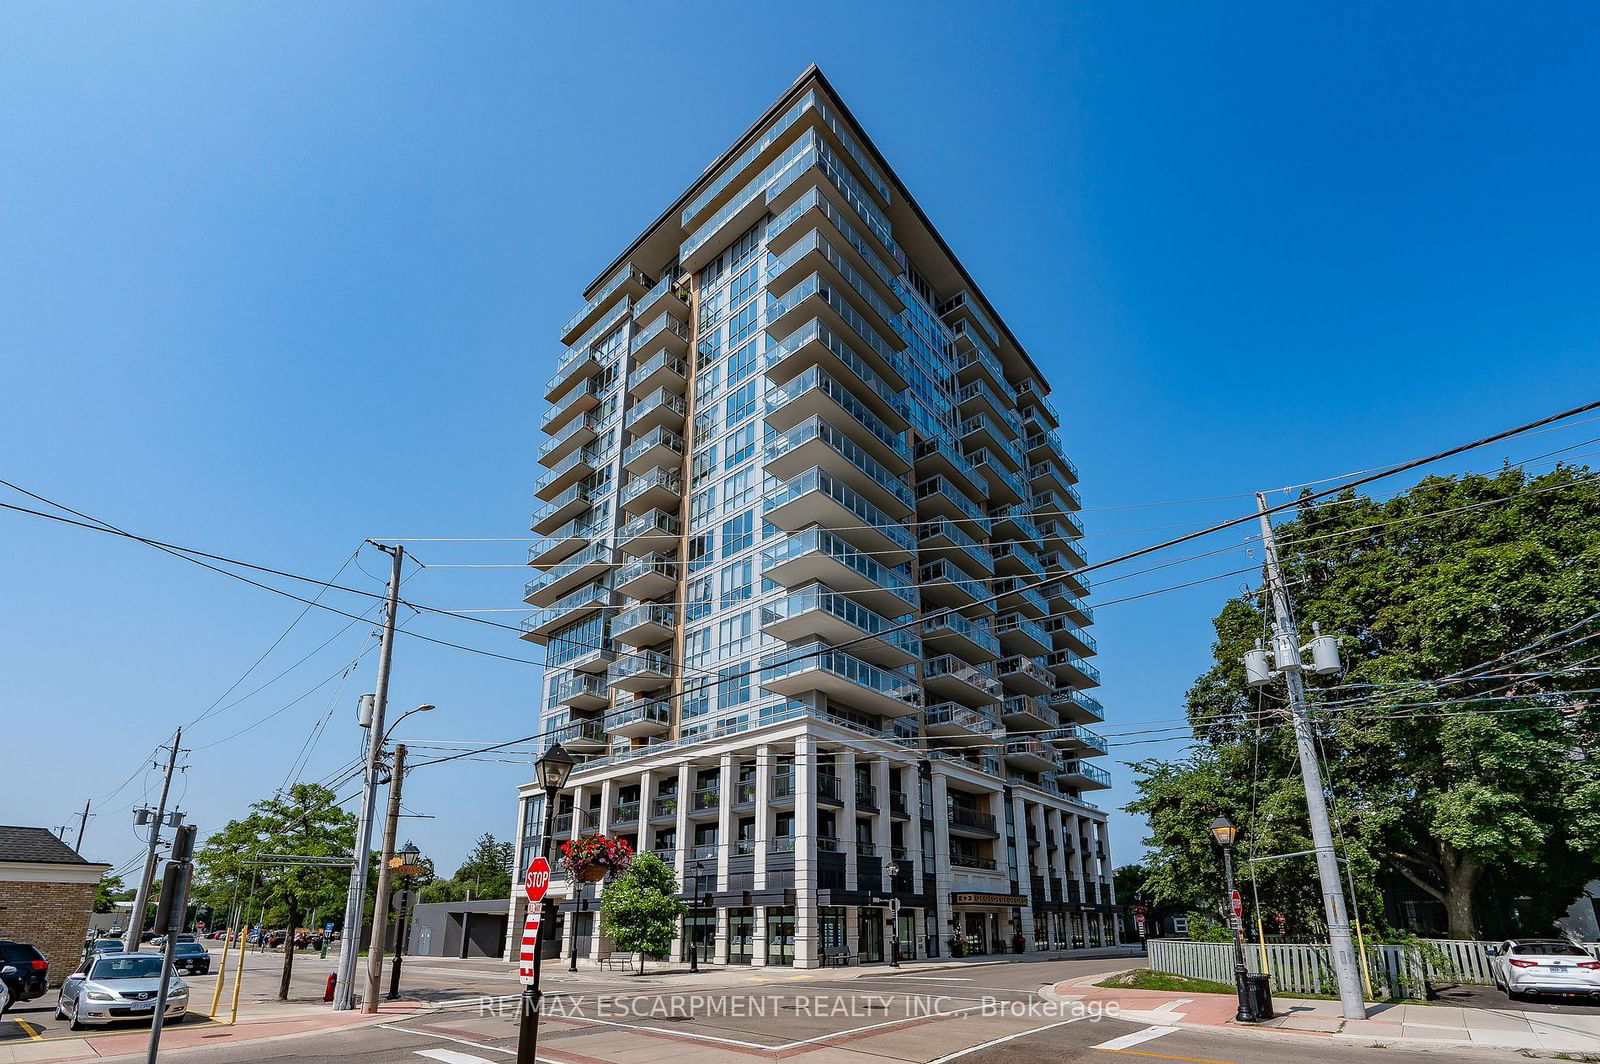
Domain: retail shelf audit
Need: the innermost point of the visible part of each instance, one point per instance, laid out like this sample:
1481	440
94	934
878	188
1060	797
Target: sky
278	278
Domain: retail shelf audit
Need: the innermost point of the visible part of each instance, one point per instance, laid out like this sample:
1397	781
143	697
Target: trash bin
1259	990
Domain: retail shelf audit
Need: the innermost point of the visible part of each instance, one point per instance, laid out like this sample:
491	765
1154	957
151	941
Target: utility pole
380	904
83	822
130	941
350	944
1286	654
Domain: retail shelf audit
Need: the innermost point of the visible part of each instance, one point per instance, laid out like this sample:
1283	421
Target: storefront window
741	935
780	937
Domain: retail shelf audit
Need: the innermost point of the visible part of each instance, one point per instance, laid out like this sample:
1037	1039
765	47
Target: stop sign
537	881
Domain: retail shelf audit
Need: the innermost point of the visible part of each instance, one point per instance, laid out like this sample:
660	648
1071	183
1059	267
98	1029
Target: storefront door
869	936
741	935
780	937
977	933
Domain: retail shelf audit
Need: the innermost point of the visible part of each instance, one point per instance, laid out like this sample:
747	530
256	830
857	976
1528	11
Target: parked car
6	972
119	986
107	945
1544	966
191	957
161	940
30	967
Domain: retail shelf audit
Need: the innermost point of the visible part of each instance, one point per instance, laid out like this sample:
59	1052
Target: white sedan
120	986
1544	966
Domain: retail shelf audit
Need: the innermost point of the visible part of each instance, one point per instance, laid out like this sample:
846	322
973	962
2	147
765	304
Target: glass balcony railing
1021	555
656	711
971	818
588	596
819	598
984	459
1094	773
814	199
817	540
898	683
816	428
974	630
658	564
625	813
815	330
652	613
735	170
818	379
578	685
1054	625
656	522
664	360
792	159
1024	589
661	436
943	572
1084	702
977	676
658	399
628	273
663	324
964	302
593	554
820	480
941	484
1071	660
644	663
585	424
953	714
670	480
1016	622
815	241
579	733
814	285
588	456
579	492
1028	706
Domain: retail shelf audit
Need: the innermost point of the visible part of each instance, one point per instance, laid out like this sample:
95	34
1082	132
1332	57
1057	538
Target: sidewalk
1411	1026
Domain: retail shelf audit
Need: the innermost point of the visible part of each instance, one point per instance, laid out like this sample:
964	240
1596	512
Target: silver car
120	986
1544	966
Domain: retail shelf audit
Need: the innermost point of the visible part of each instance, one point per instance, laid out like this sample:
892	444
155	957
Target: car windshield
106	944
138	966
1547	949
190	947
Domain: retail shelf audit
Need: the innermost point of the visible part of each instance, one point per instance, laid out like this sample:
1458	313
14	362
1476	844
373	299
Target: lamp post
409	858
551	771
1225	834
694	914
894	917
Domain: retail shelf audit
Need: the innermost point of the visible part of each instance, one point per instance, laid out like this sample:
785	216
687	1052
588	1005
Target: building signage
960	897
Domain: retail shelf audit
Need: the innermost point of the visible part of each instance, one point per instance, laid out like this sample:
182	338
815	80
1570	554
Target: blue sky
276	278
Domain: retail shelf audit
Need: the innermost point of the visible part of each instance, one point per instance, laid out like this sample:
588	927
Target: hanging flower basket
591	858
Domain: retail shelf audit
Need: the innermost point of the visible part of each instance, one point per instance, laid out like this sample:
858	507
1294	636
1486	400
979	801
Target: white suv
1544	966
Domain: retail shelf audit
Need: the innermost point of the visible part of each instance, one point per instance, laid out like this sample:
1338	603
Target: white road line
450	1056
1136	1038
457	1041
1006	1038
1168	1006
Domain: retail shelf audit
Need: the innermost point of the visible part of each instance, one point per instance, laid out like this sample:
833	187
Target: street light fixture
1225	834
424	708
894	917
410	858
551	772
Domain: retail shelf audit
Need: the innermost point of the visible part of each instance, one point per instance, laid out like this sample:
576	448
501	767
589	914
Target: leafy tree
303	822
487	870
109	892
1477	592
640	909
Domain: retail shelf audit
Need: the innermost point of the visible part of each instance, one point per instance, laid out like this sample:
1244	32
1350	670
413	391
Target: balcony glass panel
815	330
815	428
896	580
974	631
898	683
818	378
820	480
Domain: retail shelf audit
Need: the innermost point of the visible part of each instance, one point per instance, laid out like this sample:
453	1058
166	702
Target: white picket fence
1305	968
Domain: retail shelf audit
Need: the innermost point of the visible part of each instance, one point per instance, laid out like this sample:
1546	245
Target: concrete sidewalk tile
1495	1020
1505	1039
1435	1033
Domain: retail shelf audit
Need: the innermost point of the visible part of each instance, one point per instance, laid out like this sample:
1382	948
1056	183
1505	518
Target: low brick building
46	895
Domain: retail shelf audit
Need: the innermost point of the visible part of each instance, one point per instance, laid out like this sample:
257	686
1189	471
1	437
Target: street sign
400	900
537	881
1238	905
894	906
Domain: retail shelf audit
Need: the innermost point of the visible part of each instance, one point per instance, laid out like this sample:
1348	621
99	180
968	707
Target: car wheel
74	1025
60	1012
179	1018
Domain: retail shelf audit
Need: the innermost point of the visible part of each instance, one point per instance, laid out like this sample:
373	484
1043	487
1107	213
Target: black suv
33	971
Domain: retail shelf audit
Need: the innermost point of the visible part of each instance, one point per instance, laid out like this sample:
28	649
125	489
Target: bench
838	956
614	961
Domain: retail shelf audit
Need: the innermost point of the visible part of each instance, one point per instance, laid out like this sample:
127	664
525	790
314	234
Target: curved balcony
1080	774
949	677
817	611
816	443
943	584
815	555
1026	676
659	447
581	691
639	720
962	725
588	564
816	394
649	533
1024	713
968	638
661	371
642	671
659	409
656	489
644	625
1071	670
648	577
1019	635
1029	755
846	680
580	737
816	497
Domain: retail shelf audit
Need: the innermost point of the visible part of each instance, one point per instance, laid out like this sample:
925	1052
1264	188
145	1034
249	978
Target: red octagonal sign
537	881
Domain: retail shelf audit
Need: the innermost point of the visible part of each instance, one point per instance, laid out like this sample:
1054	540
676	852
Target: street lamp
694	915
1225	834
894	917
420	709
410	857
551	772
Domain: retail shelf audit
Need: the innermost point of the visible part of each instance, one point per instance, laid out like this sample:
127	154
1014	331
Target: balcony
1013	523
947	676
816	394
846	680
650	533
816	611
563	542
941	456
1065	635
582	691
1019	635
580	400
563	508
659	447
1022	596
640	720
815	443
588	564
953	542
1078	707
814	253
572	436
815	344
624	814
644	625
705	799
664	806
663	295
975	360
963	307
1076	739
1082	775
1025	676
665	332
967	637
945	585
1048	475
828	788
1025	713
978	398
962	725
648	577
576	466
662	371
1075	608
659	409
816	497
818	298
645	670
1003	486
626	283
939	496
1011	558
537	627
580	737
815	555
964	821
1071	670
655	490
575	367
1029	755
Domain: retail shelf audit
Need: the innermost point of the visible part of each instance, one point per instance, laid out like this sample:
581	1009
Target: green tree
1477	592
109	892
487	870
640	909
304	822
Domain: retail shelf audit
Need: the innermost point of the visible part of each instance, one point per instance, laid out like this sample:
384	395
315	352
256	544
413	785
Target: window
736	582
741	446
733	635
697	599
743	362
705	461
700	552
701	506
741	404
745	283
736	534
738	491
733	686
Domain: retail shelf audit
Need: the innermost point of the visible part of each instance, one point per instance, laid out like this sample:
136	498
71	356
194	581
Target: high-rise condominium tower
806	577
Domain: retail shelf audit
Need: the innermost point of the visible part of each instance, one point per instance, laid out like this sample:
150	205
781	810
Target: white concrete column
608	800
881	835
647	801
725	822
1020	814
943	882
578	798
845	766
805	843
685	843
758	948
764	757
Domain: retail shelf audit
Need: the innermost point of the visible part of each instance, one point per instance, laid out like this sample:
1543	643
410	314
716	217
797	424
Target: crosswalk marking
1135	1038
1006	1038
450	1056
